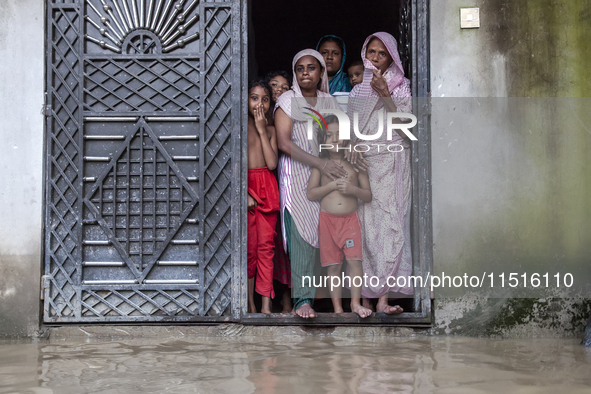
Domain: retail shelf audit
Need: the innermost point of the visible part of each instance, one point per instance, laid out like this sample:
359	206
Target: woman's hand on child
357	159
362	164
333	170
252	204
260	120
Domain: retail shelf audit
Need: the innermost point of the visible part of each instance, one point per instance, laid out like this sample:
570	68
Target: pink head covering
394	76
325	100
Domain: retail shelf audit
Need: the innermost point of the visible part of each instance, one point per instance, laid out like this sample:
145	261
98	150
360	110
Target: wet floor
298	365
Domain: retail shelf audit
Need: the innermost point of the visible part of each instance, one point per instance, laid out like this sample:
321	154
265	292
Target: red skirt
262	221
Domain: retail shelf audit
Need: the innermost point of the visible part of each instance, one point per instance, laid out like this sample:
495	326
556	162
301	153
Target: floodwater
288	365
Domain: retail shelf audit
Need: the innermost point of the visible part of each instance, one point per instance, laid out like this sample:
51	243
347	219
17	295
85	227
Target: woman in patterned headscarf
299	216
332	49
386	219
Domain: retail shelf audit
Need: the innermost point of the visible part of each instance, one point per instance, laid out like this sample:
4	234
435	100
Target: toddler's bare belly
338	204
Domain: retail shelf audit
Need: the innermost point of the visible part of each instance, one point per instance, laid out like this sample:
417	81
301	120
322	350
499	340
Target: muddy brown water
297	365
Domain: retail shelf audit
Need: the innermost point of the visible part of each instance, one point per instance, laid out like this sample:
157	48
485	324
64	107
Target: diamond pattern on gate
141	84
141	200
142	303
63	240
217	161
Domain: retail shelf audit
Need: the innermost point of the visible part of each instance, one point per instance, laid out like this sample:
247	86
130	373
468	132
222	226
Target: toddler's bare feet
306	311
362	311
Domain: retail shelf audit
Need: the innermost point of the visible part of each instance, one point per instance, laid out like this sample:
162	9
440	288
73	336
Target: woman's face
308	72
378	55
332	55
279	85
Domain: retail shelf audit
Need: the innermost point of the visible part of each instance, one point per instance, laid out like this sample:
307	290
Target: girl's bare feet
266	305
306	311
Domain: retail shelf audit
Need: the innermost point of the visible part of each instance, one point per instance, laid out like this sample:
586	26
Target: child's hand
333	185
260	120
344	186
252	204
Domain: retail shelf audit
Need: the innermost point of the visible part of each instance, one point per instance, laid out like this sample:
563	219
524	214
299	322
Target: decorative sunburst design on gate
141	200
142	26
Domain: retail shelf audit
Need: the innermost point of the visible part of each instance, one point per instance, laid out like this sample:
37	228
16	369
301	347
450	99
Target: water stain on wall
546	44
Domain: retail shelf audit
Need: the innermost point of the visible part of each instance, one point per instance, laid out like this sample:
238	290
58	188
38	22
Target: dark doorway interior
280	29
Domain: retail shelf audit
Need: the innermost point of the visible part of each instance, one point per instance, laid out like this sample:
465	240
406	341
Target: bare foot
306	311
388	309
266	305
367	303
286	302
252	308
362	311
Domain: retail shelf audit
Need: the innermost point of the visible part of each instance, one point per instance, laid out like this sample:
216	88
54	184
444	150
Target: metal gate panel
144	166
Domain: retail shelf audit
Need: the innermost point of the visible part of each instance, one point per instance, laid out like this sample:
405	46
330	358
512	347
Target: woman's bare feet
362	311
306	311
251	307
388	309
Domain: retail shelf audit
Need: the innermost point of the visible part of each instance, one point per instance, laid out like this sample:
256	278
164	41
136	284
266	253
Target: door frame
414	34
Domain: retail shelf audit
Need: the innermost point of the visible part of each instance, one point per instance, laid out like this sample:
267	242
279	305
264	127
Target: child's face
279	85
355	74
308	72
332	55
332	138
257	96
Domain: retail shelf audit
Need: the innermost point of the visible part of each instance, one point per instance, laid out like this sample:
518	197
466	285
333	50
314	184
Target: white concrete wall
21	163
510	176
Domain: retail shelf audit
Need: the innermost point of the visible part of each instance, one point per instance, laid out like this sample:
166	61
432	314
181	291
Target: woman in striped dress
299	216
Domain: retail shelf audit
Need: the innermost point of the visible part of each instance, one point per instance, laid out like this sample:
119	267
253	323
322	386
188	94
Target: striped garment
293	175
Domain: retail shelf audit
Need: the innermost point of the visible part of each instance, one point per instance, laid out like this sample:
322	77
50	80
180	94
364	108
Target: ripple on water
297	364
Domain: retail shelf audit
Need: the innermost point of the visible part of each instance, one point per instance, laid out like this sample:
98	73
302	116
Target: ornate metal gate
144	162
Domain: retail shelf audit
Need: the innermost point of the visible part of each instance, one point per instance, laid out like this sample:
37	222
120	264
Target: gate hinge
46	110
44	285
427	106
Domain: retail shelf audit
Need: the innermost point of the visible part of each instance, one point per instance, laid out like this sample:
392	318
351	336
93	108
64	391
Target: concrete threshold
121	332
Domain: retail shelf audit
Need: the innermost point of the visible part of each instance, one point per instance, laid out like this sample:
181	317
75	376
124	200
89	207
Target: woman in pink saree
386	219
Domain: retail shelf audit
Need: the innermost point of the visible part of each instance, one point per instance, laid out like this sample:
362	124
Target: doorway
145	170
278	30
